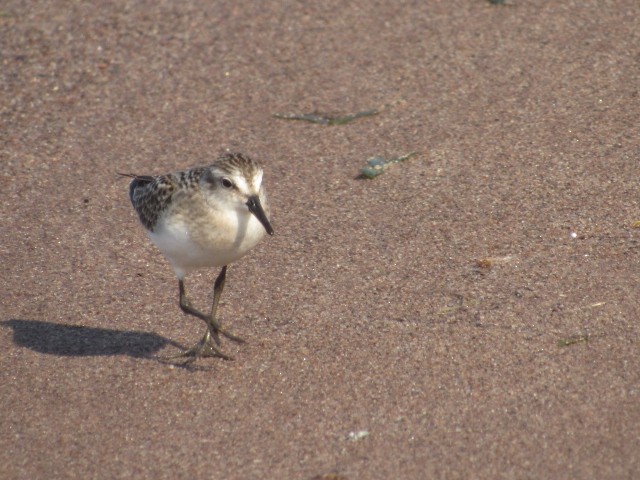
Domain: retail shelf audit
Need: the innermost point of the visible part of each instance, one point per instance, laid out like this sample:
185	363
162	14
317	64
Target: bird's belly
211	241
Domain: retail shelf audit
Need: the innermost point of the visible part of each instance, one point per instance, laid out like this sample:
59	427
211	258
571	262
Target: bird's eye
226	183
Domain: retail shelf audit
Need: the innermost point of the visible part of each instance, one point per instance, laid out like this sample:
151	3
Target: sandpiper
203	217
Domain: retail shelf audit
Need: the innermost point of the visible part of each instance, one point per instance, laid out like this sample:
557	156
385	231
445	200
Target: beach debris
565	342
459	304
378	164
489	262
329	476
359	435
327	119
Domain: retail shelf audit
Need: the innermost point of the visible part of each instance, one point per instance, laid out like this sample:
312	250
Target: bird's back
150	196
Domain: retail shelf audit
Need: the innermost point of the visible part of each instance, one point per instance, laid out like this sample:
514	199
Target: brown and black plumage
202	217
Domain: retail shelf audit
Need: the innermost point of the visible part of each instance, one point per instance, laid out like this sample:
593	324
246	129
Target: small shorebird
204	217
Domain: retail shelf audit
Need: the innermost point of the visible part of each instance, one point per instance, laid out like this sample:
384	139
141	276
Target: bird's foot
219	330
203	349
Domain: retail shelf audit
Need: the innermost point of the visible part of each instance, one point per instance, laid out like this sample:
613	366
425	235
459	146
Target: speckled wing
150	196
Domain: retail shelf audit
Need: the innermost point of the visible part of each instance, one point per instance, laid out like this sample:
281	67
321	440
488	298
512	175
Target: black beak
255	207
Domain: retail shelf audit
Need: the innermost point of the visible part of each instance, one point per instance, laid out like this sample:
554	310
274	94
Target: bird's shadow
79	341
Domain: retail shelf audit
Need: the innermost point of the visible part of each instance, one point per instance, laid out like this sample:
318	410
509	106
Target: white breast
212	240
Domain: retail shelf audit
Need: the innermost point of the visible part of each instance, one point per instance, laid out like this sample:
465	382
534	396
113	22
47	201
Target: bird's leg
204	348
186	307
214	326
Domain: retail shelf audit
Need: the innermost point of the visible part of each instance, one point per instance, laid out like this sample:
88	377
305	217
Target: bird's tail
138	181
